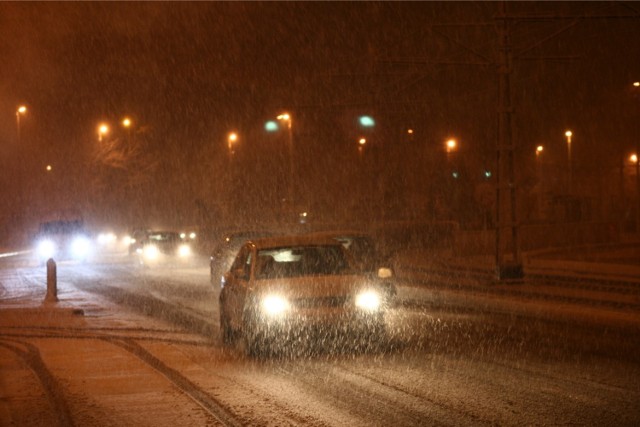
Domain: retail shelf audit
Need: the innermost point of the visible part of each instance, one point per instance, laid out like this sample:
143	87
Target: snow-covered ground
128	346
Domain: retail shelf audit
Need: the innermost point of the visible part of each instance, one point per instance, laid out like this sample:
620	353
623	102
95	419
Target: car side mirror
239	273
385	273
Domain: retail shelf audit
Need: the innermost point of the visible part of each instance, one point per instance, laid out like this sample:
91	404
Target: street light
22	110
451	145
287	118
232	138
569	134
103	129
361	143
127	123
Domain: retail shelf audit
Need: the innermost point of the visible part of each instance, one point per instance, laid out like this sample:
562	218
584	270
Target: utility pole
507	255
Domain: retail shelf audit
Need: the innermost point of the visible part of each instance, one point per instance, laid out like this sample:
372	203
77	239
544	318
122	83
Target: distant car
63	240
281	289
366	256
225	251
164	247
136	239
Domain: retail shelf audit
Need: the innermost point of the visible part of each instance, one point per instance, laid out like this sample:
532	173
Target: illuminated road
542	352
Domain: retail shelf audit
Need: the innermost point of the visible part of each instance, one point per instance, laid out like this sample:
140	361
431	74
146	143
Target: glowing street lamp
361	143
633	158
286	117
103	129
22	110
569	134
126	122
539	150
232	138
451	145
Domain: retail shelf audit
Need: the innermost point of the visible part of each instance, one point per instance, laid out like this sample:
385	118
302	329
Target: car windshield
361	249
295	261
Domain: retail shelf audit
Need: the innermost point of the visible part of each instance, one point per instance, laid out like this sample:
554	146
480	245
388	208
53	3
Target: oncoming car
365	254
63	240
282	290
163	247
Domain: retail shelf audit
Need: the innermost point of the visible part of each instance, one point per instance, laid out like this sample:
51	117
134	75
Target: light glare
274	305
368	300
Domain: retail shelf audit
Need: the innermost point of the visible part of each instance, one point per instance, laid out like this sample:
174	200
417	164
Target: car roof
293	240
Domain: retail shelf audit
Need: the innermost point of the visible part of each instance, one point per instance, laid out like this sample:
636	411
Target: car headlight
184	251
274	305
150	252
46	249
368	300
106	238
80	247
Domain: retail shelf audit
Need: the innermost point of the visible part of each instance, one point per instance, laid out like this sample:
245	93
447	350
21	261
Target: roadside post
52	282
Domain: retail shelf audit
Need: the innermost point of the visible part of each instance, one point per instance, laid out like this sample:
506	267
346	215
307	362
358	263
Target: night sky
189	73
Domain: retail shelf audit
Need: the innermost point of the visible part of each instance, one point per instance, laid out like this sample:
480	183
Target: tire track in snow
54	391
213	406
373	404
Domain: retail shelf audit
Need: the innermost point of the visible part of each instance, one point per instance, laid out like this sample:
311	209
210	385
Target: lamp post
287	118
636	161
103	129
361	143
569	134
22	110
539	150
451	146
232	139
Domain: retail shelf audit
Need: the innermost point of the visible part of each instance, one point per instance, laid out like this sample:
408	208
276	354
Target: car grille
320	302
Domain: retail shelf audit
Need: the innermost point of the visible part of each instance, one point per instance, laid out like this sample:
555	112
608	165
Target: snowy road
463	356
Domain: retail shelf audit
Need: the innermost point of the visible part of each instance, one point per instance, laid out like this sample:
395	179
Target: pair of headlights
79	248
151	252
275	305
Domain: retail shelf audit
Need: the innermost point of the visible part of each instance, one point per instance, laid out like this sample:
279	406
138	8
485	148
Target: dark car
366	255
136	239
63	240
164	247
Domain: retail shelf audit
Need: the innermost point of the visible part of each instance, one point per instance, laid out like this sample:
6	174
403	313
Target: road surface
133	346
